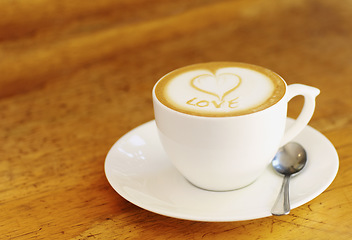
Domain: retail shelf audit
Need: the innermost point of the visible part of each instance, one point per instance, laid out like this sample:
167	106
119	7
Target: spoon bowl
289	160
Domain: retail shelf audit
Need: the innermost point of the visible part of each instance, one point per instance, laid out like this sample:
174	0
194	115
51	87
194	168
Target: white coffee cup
220	151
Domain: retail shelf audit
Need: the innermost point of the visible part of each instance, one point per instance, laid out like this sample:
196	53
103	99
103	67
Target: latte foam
220	89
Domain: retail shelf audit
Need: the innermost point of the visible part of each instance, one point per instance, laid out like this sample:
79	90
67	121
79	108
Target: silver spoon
290	159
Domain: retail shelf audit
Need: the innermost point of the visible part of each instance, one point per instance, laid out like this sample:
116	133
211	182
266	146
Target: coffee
220	89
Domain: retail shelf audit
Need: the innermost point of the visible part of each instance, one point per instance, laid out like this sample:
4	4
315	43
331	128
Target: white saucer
139	170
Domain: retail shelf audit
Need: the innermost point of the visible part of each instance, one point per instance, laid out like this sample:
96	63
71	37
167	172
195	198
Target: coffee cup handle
309	94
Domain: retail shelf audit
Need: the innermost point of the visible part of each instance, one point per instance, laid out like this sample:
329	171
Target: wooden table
77	75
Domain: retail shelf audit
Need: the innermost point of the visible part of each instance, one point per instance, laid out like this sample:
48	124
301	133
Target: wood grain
77	75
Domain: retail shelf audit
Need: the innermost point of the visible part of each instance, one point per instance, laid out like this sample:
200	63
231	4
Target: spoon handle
282	204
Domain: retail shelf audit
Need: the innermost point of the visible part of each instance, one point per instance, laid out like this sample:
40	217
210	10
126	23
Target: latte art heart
220	89
217	85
